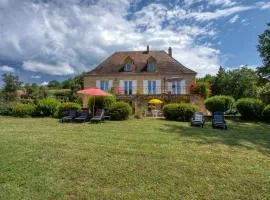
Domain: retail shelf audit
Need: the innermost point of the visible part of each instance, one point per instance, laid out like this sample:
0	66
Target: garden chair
218	120
99	116
197	119
69	116
83	116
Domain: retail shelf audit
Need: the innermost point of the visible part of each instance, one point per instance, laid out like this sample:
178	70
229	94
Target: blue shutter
149	87
130	87
178	87
154	87
126	87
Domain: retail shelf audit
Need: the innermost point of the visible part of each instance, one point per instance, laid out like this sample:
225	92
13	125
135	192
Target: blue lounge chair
84	116
218	120
197	119
99	116
69	116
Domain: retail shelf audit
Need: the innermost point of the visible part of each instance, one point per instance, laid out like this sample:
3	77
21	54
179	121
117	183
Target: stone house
141	73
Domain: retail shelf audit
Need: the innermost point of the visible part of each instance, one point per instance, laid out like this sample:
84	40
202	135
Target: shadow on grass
249	135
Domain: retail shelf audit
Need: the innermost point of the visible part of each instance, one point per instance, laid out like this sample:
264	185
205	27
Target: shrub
266	112
120	111
47	107
6	108
63	107
180	112
101	102
200	88
250	108
220	103
23	110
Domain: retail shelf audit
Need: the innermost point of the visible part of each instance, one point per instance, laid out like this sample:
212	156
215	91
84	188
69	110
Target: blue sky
43	40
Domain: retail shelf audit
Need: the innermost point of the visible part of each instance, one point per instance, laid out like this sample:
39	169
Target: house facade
133	73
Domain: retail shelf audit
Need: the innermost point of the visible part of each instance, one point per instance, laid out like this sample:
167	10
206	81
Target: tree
220	84
35	92
238	83
264	49
54	84
11	85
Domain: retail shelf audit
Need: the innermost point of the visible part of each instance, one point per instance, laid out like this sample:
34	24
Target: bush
23	110
63	107
179	112
266	112
200	88
120	111
47	107
220	103
250	108
6	108
101	102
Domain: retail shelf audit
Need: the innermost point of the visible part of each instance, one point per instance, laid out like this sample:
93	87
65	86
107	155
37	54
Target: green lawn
134	159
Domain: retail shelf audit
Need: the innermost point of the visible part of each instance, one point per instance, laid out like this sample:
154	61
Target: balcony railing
149	91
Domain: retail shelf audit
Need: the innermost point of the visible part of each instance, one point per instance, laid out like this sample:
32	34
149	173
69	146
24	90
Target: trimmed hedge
64	107
47	107
220	103
120	111
179	112
266	112
23	110
250	108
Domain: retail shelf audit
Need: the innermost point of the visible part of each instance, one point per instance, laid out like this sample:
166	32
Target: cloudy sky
43	40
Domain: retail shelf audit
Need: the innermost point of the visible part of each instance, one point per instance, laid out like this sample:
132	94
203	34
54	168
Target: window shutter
183	87
122	88
158	86
110	84
169	86
145	86
98	84
134	87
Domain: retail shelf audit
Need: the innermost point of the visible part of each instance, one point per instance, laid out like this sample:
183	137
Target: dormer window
151	67
151	64
128	67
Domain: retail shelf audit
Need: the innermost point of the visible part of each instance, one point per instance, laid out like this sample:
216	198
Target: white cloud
44	83
62	69
222	2
234	19
6	69
220	13
36	77
263	5
65	37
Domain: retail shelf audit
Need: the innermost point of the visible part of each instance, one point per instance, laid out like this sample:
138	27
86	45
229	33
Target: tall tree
220	83
54	84
35	92
11	86
264	49
237	83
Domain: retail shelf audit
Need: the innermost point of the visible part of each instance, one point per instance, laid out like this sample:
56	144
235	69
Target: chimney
147	49
170	51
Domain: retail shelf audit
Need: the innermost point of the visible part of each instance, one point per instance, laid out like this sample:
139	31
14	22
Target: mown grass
134	159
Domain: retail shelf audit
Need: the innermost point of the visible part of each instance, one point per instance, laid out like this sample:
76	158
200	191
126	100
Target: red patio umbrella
93	92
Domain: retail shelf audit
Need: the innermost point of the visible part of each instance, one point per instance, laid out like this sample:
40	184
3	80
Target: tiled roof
165	63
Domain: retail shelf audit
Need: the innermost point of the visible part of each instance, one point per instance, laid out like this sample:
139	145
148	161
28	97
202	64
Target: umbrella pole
94	106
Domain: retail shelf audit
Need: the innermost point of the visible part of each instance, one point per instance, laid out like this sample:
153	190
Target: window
128	67
104	85
128	87
151	87
151	67
176	87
